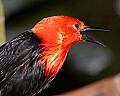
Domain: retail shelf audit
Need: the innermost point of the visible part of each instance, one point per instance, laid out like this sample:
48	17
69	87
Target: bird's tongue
89	39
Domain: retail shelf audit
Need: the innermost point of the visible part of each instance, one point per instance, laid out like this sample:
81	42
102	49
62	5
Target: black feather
19	73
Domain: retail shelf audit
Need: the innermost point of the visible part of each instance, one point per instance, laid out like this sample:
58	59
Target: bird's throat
54	59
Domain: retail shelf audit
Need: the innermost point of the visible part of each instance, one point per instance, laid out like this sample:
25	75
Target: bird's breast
53	59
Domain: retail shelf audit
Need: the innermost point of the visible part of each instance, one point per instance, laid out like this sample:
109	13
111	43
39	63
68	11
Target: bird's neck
54	58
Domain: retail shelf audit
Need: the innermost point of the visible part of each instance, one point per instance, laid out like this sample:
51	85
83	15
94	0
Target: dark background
85	62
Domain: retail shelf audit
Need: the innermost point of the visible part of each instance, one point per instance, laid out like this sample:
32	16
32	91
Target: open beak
89	39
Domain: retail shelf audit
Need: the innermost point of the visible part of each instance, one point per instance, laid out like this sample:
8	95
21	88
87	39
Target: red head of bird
58	33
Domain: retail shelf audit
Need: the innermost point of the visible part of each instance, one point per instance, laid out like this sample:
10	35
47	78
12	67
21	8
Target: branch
106	87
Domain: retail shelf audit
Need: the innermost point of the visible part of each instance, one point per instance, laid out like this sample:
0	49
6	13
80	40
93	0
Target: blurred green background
2	25
85	62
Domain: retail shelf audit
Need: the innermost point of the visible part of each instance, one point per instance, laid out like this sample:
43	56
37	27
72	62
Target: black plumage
20	73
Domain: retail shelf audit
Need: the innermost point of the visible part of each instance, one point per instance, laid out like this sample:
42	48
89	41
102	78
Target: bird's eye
76	26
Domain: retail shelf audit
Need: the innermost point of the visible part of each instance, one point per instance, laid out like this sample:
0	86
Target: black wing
13	53
18	72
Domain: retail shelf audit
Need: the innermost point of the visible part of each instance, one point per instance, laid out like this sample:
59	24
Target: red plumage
30	61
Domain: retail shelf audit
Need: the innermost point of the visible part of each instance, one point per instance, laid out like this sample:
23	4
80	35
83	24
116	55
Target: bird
30	61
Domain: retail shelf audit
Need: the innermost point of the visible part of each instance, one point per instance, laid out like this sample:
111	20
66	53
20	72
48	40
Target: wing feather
20	73
16	52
